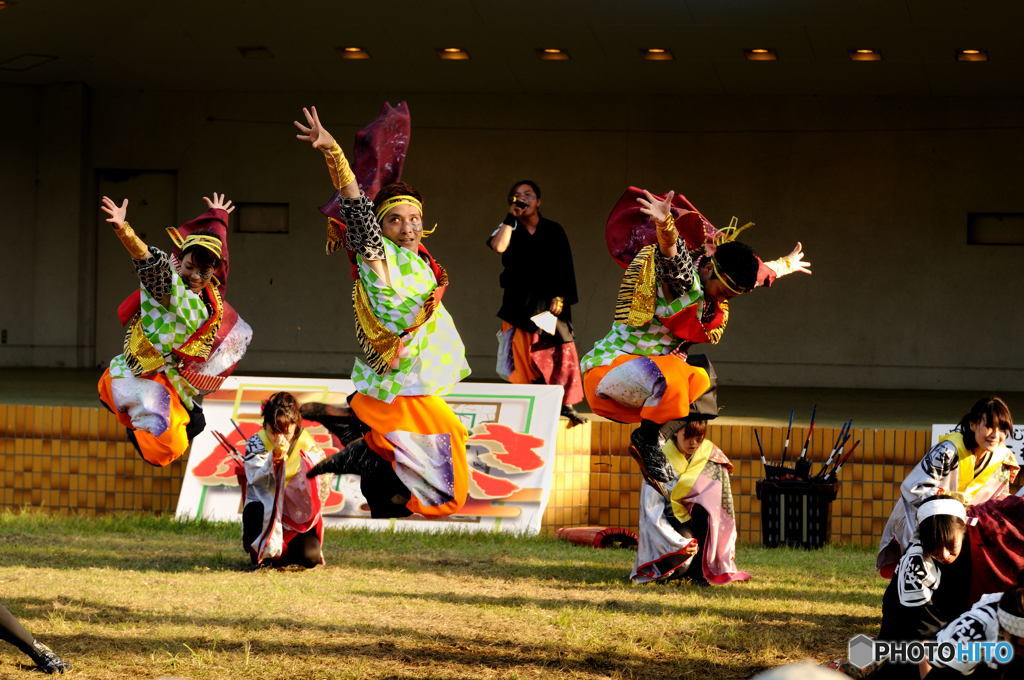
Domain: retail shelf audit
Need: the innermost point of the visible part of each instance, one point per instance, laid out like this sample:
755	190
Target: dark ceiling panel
194	45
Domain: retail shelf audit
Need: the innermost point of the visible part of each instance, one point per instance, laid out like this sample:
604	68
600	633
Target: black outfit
950	600
538	268
900	622
384	492
695	527
303	550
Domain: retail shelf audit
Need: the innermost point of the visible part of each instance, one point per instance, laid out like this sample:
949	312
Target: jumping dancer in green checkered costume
412	454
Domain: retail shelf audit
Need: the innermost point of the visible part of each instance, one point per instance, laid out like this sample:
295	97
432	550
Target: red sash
687	326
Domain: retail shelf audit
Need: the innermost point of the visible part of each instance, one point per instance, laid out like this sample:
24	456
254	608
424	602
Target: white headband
1011	623
942	506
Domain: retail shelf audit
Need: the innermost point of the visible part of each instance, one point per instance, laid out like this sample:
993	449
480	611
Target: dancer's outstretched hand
220	202
659	210
117	213
314	131
795	261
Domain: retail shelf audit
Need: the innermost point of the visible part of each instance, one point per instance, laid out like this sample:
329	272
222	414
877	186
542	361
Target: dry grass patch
140	597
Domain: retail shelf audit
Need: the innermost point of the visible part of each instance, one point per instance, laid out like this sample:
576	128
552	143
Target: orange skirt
427	414
683	384
170	445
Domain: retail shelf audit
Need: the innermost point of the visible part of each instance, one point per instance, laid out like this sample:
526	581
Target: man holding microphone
536	343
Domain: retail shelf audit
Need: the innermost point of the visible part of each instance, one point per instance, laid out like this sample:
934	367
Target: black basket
796	512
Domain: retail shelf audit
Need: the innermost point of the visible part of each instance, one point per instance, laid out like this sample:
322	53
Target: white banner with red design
511	452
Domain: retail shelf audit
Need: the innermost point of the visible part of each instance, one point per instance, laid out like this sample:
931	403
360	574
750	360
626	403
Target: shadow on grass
190	555
128	557
406	644
180	554
702	607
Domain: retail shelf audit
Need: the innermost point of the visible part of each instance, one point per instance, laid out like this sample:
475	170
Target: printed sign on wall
511	454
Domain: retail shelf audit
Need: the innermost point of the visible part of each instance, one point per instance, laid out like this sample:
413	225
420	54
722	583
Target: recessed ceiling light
452	53
865	55
259	52
971	54
760	54
24	62
353	53
553	54
656	54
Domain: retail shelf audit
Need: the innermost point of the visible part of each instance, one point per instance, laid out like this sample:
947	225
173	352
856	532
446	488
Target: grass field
141	597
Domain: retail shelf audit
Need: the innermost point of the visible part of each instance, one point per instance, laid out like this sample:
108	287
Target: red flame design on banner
487	487
509	451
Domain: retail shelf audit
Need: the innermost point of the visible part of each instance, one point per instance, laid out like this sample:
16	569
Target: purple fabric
378	154
381	147
720	542
424	464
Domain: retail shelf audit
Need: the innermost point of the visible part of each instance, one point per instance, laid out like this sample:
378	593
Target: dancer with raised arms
182	340
412	458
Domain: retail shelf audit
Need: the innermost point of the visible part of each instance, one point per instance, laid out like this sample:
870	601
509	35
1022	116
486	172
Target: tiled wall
77	459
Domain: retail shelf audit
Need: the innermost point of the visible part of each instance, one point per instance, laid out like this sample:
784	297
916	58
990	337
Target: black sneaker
47	661
646	451
335	464
339	421
355	459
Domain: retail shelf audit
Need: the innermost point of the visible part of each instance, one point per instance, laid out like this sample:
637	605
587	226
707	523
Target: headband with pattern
211	243
1012	624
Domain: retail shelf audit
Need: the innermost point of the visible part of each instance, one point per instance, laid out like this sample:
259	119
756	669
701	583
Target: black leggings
12	631
303	550
384	492
696	527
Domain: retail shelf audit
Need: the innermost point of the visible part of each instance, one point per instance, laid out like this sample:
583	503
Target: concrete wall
877	189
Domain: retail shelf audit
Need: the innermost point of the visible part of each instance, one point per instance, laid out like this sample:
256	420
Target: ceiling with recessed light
258	45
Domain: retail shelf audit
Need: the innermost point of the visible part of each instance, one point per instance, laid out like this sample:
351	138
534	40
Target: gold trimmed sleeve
131	242
338	167
667	233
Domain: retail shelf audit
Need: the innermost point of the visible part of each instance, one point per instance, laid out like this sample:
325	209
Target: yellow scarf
967	483
688	470
302	442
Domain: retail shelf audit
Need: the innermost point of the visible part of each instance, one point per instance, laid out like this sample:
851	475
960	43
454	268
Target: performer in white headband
1011	623
942	506
995	617
931	584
